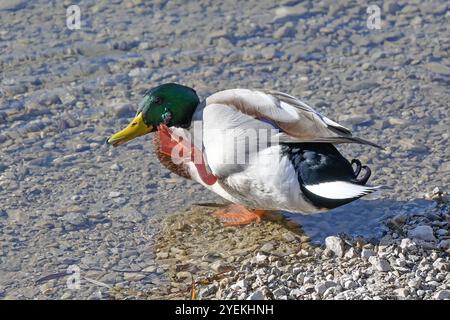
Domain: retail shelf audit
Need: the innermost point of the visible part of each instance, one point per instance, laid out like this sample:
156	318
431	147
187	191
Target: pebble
256	295
114	194
408	244
324	286
140	72
149	269
49	145
268	53
207	291
350	284
219	266
423	233
363	85
287	30
442	295
444	244
415	283
184	275
335	244
267	247
300	279
261	258
438	68
402	292
132	276
280	293
380	264
351	253
116	167
162	255
123	110
367	253
75	218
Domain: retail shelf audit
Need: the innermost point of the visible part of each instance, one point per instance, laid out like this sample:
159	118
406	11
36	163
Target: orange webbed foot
237	215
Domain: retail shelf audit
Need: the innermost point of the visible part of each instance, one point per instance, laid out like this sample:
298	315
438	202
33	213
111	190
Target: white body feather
267	179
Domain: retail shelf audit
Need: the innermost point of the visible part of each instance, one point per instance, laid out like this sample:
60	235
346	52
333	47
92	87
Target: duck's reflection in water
362	218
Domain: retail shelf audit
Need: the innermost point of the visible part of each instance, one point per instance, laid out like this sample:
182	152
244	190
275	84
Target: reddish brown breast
166	161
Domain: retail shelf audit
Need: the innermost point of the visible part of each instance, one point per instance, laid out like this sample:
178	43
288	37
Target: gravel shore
68	200
275	259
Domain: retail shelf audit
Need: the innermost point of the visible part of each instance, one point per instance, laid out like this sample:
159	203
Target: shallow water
362	218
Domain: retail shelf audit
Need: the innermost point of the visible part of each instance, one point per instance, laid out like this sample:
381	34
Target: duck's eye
133	124
158	100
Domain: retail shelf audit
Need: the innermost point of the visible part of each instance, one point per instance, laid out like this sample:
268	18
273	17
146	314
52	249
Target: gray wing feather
298	121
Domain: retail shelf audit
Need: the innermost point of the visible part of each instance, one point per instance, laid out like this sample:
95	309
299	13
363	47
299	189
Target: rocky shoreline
411	261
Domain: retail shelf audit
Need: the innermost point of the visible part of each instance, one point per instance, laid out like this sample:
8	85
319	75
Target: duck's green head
170	104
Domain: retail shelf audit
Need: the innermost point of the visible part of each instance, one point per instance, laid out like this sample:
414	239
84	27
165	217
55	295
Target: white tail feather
340	190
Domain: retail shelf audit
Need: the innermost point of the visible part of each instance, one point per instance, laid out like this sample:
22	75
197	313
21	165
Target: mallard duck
262	150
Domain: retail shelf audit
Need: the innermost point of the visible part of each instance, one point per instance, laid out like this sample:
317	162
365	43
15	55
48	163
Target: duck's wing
297	121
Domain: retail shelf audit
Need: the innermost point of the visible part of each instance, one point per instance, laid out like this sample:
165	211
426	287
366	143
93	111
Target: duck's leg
235	215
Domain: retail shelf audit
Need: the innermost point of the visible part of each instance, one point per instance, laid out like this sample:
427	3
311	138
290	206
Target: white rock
115	167
66	295
422	232
133	276
351	253
380	264
162	255
308	279
336	245
257	295
139	72
367	253
444	244
296	270
219	266
271	278
300	278
279	293
242	284
49	145
400	262
329	292
123	110
408	244
278	264
144	46
267	247
12	4
420	293
207	291
295	293
415	283
320	288
402	292
149	269
443	295
260	258
288	236
114	194
440	264
350	284
324	286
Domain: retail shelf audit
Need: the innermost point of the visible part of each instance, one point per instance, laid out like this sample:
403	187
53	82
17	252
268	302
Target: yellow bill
135	129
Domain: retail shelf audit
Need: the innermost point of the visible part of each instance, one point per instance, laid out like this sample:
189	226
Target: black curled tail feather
326	178
363	180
